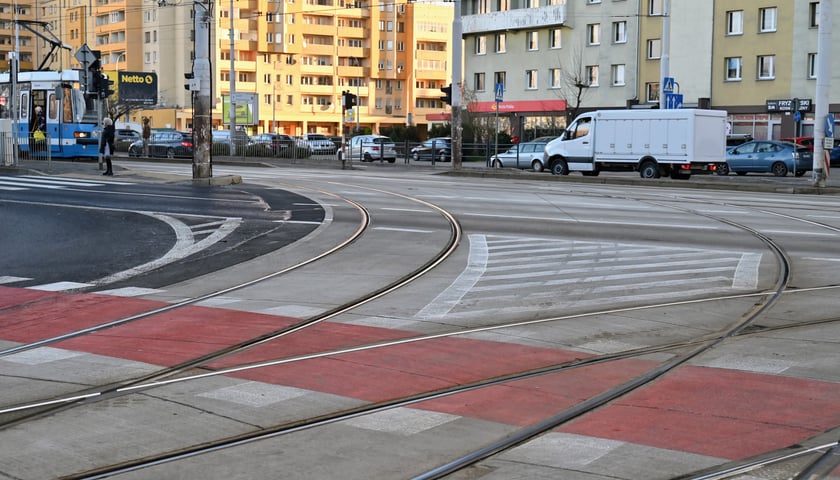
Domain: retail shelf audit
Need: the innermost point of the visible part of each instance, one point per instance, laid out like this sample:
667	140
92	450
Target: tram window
24	106
52	111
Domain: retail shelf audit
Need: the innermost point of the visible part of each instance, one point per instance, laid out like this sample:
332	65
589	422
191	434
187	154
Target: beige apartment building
291	60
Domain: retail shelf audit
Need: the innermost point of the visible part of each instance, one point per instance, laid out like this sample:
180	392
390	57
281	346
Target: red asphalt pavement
739	413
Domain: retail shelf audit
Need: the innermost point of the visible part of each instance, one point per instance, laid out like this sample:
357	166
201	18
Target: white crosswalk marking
26	182
526	274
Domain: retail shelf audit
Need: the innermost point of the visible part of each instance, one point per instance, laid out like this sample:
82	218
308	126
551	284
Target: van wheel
537	166
560	167
649	169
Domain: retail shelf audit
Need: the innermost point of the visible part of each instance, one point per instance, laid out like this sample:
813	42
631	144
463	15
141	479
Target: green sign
244	111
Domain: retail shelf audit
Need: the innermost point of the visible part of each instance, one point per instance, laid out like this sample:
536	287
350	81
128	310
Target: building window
733	68
532	39
555	38
655	7
767	19
593	1
480	45
533	3
554	77
499	79
531	77
594	33
617	75
652	92
501	43
479	82
766	70
592	75
812	66
814	14
735	22
619	32
654	49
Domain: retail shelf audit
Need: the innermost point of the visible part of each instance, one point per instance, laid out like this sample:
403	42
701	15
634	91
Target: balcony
517	19
350	72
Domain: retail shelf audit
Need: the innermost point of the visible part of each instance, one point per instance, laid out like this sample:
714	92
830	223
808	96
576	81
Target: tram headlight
78	135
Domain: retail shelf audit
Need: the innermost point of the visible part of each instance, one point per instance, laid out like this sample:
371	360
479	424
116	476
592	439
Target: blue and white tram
72	119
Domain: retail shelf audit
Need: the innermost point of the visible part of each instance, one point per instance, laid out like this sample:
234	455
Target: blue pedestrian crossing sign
829	125
500	91
668	85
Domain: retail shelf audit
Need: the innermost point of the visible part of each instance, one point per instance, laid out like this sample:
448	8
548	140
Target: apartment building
288	64
555	57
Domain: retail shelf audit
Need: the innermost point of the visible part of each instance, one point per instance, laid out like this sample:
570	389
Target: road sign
500	91
668	85
673	101
85	55
797	117
829	126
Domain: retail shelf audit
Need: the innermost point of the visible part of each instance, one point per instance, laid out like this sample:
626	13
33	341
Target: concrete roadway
649	435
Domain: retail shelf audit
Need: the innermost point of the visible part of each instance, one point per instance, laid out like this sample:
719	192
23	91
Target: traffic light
94	73
106	87
348	100
95	82
447	97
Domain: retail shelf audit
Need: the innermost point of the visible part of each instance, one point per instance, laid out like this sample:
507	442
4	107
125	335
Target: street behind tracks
596	285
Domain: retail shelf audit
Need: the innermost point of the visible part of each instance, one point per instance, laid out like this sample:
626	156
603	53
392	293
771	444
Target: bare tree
574	81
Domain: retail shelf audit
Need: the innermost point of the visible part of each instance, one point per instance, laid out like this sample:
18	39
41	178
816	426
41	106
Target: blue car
767	156
835	157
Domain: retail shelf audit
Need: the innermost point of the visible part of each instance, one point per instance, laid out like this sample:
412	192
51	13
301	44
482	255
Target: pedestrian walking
147	133
107	146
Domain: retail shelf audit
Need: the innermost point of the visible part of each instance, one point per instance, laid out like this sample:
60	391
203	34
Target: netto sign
137	87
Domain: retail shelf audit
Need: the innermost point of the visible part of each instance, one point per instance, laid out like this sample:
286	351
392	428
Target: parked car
124	137
765	156
240	138
319	144
734	139
804	141
275	141
439	149
523	155
169	144
834	157
369	148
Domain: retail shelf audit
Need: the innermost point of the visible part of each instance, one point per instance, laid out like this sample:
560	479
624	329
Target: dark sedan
275	141
767	156
169	144
124	137
439	149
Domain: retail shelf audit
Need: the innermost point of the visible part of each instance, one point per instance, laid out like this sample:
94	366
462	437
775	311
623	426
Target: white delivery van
654	142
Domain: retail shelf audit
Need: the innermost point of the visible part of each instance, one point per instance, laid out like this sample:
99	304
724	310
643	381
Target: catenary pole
457	62
202	162
823	88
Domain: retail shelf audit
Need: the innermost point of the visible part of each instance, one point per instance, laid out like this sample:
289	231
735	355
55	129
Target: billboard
246	106
140	88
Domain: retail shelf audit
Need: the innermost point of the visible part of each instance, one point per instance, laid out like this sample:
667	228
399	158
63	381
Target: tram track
696	347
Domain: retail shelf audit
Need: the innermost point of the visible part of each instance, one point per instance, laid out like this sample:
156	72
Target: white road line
452	295
409	230
8	279
60	286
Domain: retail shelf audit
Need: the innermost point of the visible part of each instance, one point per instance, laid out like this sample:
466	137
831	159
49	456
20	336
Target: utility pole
457	128
665	55
821	114
200	87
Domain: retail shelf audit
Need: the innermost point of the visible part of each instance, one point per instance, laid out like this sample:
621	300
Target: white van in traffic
673	143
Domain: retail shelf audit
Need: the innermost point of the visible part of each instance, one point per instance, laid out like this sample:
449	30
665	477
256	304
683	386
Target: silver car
369	148
319	144
524	155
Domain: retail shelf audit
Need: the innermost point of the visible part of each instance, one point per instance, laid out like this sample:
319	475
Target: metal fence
12	152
